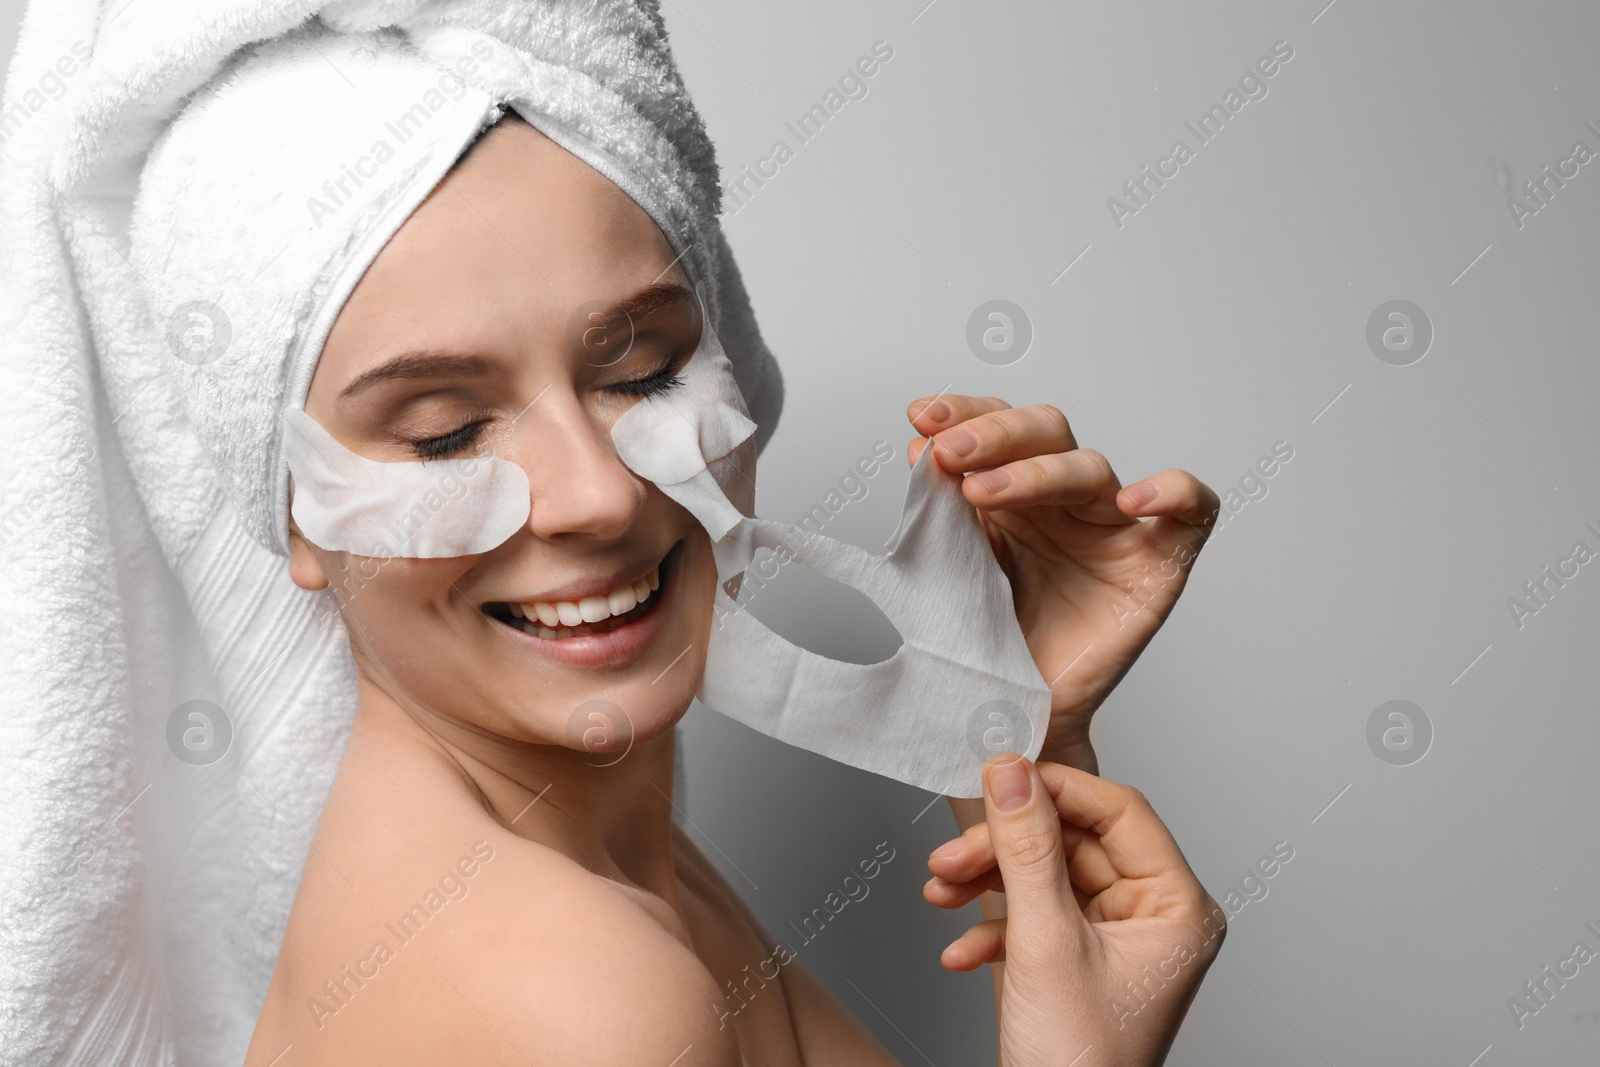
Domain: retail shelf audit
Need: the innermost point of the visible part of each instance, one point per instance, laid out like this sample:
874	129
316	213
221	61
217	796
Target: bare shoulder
529	958
424	932
572	970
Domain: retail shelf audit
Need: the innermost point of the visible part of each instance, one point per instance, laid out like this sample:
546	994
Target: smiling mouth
522	616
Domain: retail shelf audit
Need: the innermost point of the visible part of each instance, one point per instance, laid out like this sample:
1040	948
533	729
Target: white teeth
590	609
621	600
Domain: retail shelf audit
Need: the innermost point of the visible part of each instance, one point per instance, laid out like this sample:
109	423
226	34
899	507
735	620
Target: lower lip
614	647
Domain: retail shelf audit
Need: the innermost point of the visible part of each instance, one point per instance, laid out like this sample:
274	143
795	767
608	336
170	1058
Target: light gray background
1227	315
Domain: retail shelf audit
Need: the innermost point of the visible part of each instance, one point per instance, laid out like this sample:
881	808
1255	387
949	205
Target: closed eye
663	381
654	385
439	447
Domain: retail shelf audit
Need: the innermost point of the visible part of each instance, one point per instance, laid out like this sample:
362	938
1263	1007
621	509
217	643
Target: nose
581	489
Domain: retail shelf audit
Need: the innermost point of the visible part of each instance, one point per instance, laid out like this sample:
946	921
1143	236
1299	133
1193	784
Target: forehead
519	236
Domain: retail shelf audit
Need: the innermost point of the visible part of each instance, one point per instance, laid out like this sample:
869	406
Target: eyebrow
440	363
646	301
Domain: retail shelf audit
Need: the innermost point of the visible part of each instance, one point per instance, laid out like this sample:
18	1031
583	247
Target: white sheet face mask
961	687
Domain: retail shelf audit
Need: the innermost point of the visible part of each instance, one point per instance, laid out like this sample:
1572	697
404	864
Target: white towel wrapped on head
177	232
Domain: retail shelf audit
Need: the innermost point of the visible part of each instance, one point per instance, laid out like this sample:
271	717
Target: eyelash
458	439
452	442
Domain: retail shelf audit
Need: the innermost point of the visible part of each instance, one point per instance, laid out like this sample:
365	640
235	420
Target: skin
1109	934
584	904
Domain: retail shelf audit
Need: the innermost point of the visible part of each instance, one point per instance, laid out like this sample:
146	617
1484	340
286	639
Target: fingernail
1010	784
959	440
937	410
1140	494
994	481
949	850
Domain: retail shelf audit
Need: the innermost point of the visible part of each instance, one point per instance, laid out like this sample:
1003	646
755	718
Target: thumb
1025	831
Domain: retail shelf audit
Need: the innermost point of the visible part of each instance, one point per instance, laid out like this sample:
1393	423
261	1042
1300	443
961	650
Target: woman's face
483	326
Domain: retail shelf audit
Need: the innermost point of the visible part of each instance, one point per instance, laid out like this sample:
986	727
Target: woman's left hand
1091	583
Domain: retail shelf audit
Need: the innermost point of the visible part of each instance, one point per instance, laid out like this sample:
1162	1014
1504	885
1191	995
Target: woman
565	899
176	221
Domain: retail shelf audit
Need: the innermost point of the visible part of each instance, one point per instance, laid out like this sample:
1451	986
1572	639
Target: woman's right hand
1106	932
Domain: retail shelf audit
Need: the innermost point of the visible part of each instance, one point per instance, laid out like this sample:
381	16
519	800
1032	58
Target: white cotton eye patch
344	502
961	687
676	438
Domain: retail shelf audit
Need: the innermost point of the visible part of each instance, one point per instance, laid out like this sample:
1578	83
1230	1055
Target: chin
606	728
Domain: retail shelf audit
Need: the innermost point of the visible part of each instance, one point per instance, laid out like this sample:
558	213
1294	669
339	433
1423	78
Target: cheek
392	607
697	585
693	619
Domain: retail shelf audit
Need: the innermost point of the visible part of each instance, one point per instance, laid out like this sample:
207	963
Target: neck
609	811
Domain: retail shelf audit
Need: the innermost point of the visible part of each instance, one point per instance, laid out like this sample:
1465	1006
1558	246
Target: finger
983	943
914	449
954	895
1081	480
995	438
1145	898
1136	843
945	893
1088	867
1025	829
1179	501
930	414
